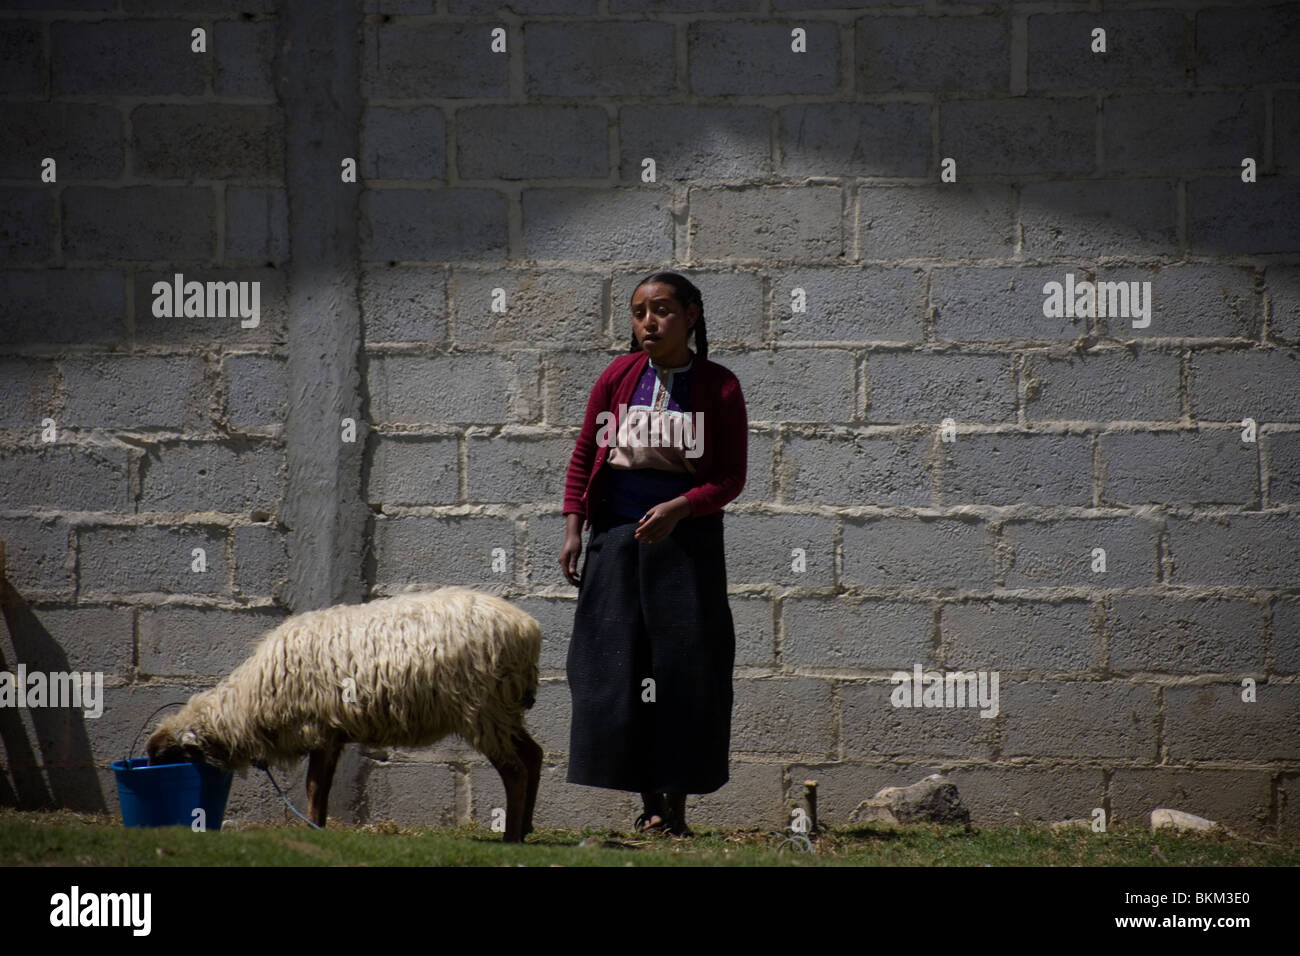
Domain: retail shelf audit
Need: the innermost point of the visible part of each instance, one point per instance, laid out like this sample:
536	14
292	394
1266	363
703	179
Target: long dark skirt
655	611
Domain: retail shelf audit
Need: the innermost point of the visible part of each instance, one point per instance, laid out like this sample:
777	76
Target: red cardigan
720	469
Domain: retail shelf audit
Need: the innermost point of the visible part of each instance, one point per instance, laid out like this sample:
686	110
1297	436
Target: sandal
643	824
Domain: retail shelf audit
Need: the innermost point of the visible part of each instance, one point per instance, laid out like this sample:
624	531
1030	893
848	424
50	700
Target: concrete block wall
934	459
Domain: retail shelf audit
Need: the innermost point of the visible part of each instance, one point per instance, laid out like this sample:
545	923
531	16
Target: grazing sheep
400	671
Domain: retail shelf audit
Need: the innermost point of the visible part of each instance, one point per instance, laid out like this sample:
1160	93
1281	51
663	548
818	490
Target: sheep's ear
189	739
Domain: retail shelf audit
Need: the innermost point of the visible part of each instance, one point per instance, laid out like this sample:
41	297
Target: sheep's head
178	741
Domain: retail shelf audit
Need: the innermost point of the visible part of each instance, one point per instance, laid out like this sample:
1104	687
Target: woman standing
663	447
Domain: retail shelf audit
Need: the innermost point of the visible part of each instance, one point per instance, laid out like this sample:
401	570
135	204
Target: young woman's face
661	324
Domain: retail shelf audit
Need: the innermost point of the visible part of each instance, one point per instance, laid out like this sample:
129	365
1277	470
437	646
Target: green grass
71	839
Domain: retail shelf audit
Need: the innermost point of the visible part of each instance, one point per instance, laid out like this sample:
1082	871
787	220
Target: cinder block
1185	300
26	393
222	321
409	793
22	54
1079	719
1006	469
521	7
66	477
751	797
1240	799
401	304
26	225
214	140
597	224
752	620
758	471
576	58
439	551
79	638
516	469
693	143
555	615
1283	283
204	642
1059	552
1286	635
1105	386
1254	550
129	57
1247	46
551	308
926	387
58	306
1019	636
37	554
403	143
1204	467
730	57
1092	218
261	560
965	54
1042	793
795	385
1286	130
1193	636
767	222
85	139
1018	136
760	550
846	632
570	377
953	221
532	142
400	392
1230	386
874	728
139	222
414	470
868	304
785	715
212	476
1144	49
244	54
150	559
257	224
257	390
401	60
910	553
1142	132
453	224
1263	731
992	304
854	139
1224	219
545	539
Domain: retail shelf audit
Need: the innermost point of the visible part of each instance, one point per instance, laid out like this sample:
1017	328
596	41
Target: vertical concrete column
317	77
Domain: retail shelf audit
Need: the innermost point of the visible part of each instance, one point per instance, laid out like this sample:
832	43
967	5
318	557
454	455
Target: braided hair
685	293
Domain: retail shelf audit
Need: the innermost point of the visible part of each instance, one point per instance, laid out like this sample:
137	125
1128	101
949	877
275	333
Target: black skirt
654	612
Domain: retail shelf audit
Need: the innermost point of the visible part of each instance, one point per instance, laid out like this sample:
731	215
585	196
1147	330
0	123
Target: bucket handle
131	750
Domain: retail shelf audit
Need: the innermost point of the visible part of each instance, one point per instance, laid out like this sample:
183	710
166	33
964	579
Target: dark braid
686	293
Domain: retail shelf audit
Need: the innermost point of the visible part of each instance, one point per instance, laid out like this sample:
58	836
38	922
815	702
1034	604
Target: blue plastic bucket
167	795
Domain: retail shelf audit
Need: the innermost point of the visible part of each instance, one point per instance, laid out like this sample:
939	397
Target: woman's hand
569	554
659	522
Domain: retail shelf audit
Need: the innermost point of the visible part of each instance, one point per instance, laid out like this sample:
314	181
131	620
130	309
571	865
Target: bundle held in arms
403	671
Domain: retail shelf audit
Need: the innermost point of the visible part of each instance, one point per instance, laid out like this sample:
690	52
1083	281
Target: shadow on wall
62	775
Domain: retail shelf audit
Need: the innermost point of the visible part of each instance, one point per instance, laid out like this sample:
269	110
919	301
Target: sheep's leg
530	754
514	775
320	775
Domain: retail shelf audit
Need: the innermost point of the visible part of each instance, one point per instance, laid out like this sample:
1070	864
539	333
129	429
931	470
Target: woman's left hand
659	522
